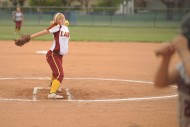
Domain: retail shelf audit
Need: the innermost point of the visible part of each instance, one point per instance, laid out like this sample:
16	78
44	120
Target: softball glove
22	40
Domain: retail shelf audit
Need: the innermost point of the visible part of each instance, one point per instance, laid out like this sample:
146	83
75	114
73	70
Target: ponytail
51	23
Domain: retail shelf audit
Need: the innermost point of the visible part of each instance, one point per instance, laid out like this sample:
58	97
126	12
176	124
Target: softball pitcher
58	49
179	75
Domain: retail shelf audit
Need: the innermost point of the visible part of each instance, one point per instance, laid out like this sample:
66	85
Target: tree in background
110	6
66	3
174	4
84	3
16	2
109	3
46	2
170	4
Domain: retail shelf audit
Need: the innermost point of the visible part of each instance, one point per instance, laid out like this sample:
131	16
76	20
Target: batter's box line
35	91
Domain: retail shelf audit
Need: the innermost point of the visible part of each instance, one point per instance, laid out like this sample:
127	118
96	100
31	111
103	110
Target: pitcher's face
61	21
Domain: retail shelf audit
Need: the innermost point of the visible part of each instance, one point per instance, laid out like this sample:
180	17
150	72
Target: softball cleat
54	96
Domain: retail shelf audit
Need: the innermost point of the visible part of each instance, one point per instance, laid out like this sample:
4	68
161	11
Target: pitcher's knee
60	78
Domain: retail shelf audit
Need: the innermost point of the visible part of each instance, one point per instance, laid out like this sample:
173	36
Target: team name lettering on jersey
65	34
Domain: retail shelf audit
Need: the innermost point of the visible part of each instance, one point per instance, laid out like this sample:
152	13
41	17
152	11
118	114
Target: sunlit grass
108	34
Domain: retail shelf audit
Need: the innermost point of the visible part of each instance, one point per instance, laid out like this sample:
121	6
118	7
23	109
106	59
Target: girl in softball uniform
179	75
58	49
18	18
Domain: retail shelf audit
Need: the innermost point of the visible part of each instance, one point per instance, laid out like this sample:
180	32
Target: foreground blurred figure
180	74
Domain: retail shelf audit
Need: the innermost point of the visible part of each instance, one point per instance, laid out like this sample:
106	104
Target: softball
66	23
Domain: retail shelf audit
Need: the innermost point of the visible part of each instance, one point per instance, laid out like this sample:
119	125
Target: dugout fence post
155	17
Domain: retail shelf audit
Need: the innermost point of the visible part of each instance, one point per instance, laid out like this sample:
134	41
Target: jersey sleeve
53	28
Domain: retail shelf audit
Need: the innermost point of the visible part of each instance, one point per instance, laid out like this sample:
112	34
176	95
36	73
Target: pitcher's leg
55	63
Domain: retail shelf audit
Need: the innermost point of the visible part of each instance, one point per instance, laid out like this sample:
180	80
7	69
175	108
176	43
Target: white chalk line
108	100
101	79
41	52
35	91
128	99
88	78
102	100
10	99
96	100
68	94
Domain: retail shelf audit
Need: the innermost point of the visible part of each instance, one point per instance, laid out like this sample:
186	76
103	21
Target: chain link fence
142	17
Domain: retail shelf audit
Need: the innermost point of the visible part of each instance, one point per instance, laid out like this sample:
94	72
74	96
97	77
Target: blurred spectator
18	18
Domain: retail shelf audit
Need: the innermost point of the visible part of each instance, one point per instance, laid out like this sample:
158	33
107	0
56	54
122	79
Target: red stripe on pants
55	62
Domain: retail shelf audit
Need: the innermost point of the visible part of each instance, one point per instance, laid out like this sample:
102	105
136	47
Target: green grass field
100	34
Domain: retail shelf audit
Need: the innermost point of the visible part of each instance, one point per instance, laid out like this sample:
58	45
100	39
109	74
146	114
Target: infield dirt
124	61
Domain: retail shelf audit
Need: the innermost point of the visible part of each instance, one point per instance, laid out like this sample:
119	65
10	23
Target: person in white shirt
18	18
